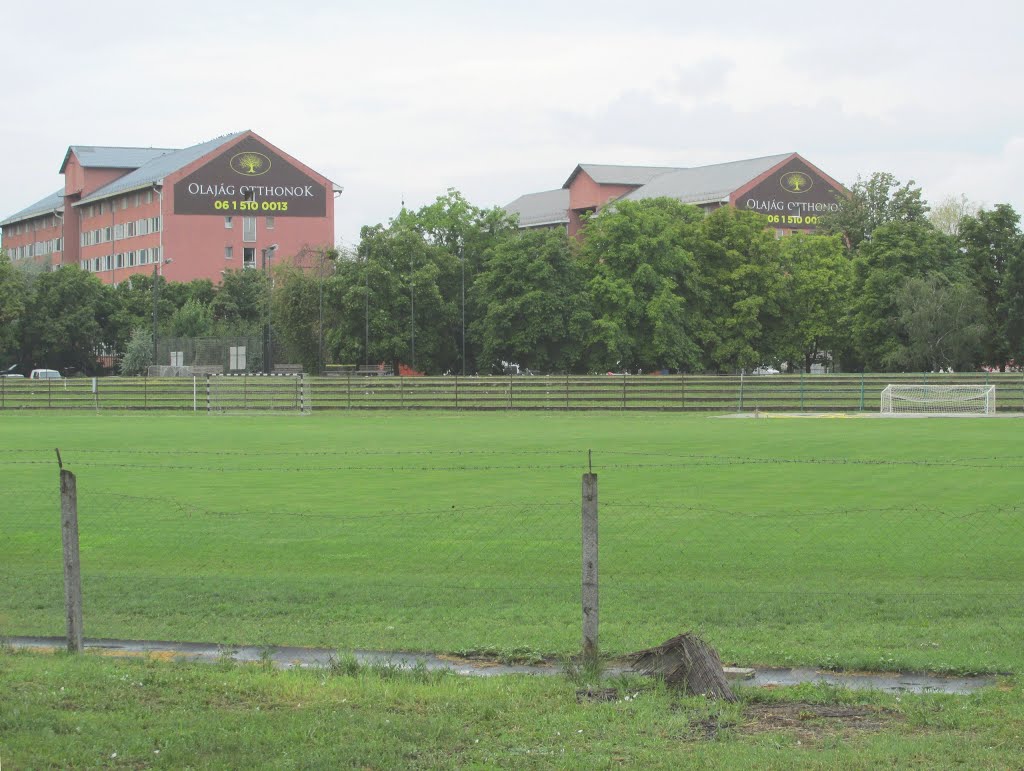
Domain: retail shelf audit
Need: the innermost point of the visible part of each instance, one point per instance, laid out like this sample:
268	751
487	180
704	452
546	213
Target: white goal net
261	393
939	400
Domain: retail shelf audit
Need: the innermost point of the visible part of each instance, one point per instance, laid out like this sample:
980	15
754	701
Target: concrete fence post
589	592
72	566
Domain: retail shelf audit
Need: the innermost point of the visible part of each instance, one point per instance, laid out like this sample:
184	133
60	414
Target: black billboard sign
250	179
794	196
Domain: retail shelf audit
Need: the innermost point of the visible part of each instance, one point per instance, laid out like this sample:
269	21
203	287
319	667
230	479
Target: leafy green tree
743	281
873	202
817	276
644	285
138	354
942	324
990	241
533	300
240	305
402	287
949	214
897	251
193	319
13	286
296	316
468	234
1012	307
64	323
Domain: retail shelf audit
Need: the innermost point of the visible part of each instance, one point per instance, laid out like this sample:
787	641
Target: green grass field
854	543
91	711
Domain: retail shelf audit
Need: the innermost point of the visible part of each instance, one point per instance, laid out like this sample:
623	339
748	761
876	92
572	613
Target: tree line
886	283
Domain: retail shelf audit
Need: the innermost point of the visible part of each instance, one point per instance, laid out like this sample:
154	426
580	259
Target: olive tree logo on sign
250	163
796	182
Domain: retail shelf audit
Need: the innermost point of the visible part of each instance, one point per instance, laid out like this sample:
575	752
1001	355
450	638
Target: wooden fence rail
712	393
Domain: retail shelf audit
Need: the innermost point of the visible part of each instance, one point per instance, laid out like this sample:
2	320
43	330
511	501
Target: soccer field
881	544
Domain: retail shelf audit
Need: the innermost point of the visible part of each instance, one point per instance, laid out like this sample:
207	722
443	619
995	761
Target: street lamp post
366	297
412	308
268	348
156	297
462	263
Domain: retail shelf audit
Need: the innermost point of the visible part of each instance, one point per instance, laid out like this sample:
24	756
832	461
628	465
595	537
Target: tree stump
686	662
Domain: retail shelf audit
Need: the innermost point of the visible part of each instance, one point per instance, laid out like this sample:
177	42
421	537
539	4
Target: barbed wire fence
930	587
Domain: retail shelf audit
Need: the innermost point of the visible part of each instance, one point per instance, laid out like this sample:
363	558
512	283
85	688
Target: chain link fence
920	587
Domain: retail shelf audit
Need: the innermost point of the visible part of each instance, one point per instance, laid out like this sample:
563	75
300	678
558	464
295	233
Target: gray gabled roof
550	207
619	175
157	168
54	201
706	184
90	156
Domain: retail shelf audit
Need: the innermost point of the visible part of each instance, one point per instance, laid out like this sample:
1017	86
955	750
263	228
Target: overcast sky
402	100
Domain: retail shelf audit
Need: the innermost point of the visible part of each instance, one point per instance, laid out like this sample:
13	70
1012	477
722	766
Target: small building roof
705	184
52	202
158	167
90	156
550	207
618	175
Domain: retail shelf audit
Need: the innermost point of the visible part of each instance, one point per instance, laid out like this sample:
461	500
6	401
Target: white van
44	374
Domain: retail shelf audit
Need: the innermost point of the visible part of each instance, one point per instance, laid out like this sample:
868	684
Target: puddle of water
287	657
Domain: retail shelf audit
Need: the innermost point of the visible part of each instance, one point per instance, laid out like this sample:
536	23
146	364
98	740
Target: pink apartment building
790	191
229	203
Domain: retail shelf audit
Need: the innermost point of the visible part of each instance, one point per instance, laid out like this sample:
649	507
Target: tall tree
645	285
873	202
13	285
897	251
942	324
535	310
240	305
817	275
65	321
743	281
948	214
990	241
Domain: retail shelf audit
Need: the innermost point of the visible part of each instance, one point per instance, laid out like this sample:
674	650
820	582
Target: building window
149	196
229	252
249	229
249	257
119	262
270	223
131	259
229	222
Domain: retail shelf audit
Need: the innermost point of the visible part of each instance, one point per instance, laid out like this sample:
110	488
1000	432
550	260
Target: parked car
11	372
765	371
44	374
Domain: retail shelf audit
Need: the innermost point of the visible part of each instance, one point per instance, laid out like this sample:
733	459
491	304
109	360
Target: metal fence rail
718	393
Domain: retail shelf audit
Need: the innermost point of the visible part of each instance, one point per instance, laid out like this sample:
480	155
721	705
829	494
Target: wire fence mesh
364	562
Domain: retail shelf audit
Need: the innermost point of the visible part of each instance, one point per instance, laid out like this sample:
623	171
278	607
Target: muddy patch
814	721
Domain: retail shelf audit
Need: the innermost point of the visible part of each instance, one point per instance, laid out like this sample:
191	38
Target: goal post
258	393
949	400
